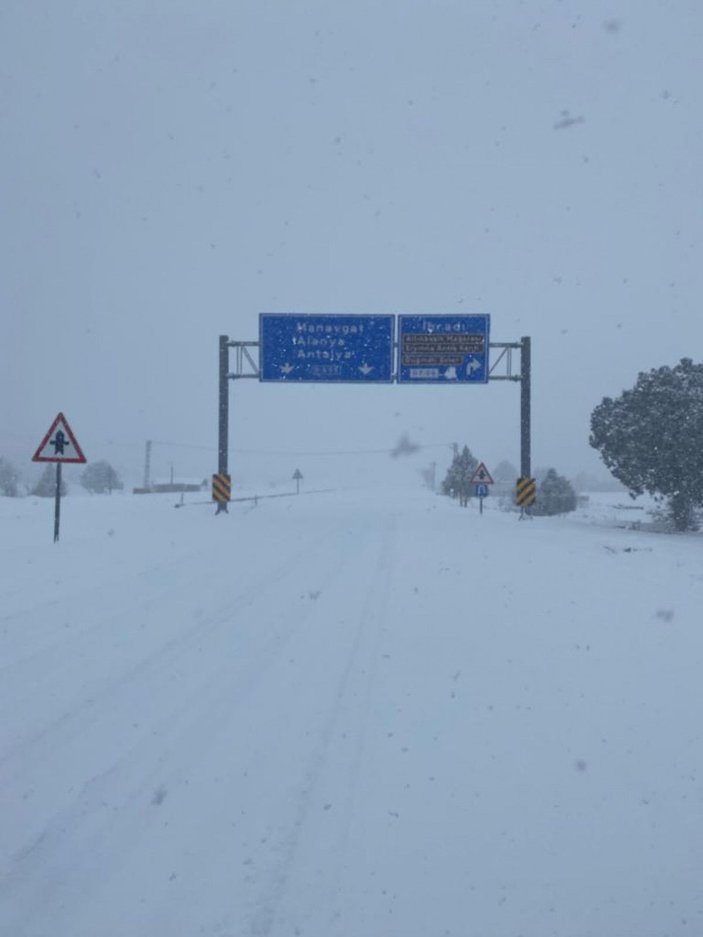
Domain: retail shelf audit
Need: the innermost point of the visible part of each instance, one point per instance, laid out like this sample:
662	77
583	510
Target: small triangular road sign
298	475
481	476
59	444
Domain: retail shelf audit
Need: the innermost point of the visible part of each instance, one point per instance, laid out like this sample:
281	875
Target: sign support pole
280	370
525	412
223	441
57	502
525	401
65	449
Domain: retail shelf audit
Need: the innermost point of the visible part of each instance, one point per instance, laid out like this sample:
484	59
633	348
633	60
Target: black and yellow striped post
525	492
221	490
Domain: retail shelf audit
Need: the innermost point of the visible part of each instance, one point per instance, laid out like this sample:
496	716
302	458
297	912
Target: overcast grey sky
173	168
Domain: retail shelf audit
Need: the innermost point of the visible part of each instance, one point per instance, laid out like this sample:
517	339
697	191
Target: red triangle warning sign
481	476
59	444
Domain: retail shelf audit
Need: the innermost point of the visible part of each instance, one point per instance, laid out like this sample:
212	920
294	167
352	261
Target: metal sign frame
502	368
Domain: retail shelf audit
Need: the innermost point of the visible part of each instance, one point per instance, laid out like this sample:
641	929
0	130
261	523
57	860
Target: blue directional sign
322	348
443	349
481	491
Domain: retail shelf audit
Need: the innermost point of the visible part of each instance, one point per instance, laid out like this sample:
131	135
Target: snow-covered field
352	714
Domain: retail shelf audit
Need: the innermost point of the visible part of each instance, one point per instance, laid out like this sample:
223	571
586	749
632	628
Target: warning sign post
481	479
59	445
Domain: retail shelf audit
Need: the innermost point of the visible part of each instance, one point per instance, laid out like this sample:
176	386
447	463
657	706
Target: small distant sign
443	349
481	476
59	444
481	491
326	348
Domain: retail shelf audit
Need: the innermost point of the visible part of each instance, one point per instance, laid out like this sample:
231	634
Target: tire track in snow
107	595
160	659
38	870
183	571
364	648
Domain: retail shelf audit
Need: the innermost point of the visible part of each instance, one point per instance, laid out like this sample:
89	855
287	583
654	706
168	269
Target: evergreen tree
449	483
505	476
9	479
46	486
651	437
428	476
555	495
457	481
100	477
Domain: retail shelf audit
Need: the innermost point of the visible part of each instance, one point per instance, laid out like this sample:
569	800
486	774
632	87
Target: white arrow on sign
473	365
365	369
287	368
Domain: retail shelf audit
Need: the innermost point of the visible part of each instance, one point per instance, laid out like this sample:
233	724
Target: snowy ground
353	714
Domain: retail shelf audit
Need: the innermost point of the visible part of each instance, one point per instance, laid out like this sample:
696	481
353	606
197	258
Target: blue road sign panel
481	491
321	348
443	349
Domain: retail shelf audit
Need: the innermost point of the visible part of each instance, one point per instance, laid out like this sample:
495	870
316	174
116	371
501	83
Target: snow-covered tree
428	476
555	495
457	481
9	479
505	473
100	477
651	437
46	486
540	473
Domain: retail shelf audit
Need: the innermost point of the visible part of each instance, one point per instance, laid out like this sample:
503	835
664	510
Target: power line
236	451
299	452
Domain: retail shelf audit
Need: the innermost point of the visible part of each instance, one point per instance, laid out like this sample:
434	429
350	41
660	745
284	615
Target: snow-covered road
347	715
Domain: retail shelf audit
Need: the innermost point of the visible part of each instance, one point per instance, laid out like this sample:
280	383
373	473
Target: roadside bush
46	486
9	479
100	477
555	495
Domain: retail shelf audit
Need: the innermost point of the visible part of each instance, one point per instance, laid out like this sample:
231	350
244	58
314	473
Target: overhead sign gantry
359	349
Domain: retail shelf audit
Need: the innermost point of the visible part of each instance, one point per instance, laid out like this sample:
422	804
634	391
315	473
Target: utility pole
147	465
